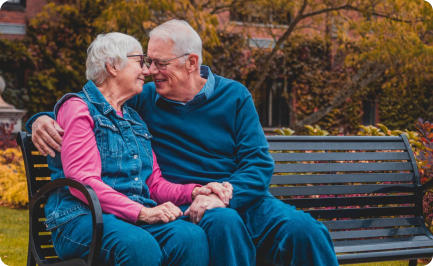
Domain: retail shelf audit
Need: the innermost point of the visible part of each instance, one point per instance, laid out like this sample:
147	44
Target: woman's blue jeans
175	243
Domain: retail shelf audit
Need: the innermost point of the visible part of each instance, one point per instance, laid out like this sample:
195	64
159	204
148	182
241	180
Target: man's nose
145	70
153	69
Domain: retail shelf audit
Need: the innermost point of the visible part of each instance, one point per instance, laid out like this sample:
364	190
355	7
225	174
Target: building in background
14	14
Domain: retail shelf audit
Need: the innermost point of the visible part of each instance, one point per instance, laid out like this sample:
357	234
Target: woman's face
130	79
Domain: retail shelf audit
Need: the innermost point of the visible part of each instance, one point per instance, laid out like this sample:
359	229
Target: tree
329	55
376	31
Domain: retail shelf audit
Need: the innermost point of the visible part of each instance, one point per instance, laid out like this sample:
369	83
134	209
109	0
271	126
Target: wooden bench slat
40	183
45	239
351	234
384	246
350	201
373	241
339	145
48	252
385	255
41	172
339	156
341	167
39	159
371	223
362	212
333	138
341	178
341	189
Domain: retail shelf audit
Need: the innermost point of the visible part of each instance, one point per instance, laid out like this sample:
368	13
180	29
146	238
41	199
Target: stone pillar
9	115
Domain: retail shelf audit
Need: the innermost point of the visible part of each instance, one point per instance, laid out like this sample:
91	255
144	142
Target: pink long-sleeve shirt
82	162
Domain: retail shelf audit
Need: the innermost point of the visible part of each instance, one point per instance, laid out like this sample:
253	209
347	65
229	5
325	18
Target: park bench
366	190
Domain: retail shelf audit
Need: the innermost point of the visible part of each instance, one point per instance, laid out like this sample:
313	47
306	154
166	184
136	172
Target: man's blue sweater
216	136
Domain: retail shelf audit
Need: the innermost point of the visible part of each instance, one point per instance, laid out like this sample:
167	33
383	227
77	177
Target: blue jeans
175	243
269	232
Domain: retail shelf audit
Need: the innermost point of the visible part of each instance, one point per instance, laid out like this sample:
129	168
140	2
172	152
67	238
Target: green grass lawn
14	233
13	236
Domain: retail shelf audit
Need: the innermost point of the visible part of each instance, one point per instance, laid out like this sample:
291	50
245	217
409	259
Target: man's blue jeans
175	243
268	232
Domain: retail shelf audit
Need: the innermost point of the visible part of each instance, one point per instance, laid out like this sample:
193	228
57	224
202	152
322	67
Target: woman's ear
111	69
192	63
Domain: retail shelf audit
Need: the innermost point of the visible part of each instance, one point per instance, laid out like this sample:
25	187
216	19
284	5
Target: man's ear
111	69
192	63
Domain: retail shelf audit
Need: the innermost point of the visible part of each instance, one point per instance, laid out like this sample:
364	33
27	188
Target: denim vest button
136	179
135	156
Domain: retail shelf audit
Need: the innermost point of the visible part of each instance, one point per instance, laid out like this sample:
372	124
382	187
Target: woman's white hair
184	37
111	48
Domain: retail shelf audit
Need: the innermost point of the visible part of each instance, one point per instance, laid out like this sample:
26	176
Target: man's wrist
32	119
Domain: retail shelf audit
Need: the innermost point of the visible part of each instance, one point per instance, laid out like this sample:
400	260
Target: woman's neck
111	94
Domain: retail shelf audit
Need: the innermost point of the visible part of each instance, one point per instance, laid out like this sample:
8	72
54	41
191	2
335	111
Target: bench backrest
38	174
346	177
350	183
37	171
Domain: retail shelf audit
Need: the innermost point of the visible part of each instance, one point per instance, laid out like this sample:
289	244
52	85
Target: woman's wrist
142	214
195	192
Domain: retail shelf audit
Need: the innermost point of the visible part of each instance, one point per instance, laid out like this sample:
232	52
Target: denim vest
126	157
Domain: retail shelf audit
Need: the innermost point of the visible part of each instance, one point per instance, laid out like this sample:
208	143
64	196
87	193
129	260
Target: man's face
171	78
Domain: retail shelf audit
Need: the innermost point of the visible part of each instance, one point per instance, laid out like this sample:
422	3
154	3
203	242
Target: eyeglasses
142	59
159	63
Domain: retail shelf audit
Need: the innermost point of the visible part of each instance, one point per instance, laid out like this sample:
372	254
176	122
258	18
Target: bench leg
413	262
30	260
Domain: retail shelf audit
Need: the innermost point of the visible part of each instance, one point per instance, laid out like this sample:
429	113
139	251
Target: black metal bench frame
40	249
366	190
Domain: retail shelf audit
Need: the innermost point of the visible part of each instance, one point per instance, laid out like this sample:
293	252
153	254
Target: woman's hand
223	190
165	213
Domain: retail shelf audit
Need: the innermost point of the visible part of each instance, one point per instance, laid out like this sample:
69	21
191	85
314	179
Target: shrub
13	186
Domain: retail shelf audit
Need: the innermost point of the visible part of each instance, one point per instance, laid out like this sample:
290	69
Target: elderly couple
209	201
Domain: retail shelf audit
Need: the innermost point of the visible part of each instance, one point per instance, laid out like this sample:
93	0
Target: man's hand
47	135
165	213
202	203
223	190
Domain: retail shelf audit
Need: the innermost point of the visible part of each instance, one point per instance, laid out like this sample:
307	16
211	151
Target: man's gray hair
184	37
111	48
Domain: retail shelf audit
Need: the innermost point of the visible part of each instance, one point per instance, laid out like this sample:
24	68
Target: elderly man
205	128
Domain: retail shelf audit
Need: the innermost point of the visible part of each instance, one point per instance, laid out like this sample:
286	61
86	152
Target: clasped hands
212	195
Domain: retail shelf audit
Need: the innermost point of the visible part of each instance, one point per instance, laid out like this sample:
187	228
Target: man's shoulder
230	86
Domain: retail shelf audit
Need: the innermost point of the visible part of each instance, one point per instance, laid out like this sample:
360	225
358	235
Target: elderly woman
106	145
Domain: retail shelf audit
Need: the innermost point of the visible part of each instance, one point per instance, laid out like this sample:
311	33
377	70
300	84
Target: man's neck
194	86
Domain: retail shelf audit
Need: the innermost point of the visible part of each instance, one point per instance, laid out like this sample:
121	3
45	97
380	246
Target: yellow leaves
285	131
316	131
13	186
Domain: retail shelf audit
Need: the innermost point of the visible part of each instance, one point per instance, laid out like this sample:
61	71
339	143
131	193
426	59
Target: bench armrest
94	207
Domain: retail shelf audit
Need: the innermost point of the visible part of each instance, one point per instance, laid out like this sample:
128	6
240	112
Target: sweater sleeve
162	190
254	163
82	162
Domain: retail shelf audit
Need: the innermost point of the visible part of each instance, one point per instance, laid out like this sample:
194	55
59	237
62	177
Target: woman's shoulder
73	98
72	109
73	105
